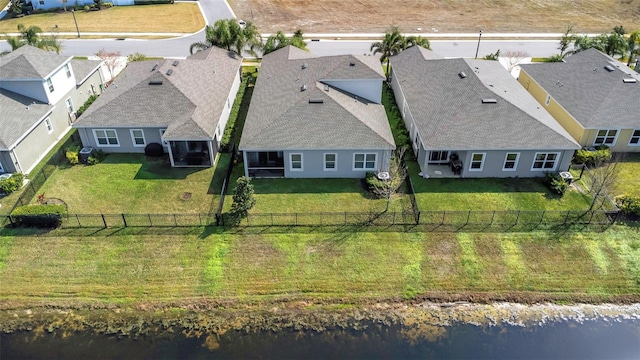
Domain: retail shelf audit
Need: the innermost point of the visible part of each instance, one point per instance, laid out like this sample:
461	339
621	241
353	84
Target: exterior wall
556	110
313	164
61	84
6	164
368	89
31	88
125	141
494	162
224	117
622	141
51	4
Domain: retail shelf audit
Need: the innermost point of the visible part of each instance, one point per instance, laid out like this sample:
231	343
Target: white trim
637	137
484	157
515	162
133	138
48	125
95	136
555	163
615	137
364	162
335	162
291	168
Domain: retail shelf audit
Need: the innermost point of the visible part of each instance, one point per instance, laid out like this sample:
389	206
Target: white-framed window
67	69
164	142
47	123
477	161
137	137
295	162
606	137
365	161
511	162
635	138
50	84
330	162
69	104
106	137
547	100
545	161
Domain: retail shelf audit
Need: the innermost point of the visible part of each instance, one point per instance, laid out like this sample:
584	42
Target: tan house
593	96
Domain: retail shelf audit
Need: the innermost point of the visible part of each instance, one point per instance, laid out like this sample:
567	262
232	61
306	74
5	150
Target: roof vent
489	101
316	101
176	62
326	87
304	66
155	67
609	68
462	74
169	72
155	82
629	80
303	87
352	64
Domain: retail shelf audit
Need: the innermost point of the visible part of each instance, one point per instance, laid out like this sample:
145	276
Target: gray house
182	104
471	118
316	117
40	93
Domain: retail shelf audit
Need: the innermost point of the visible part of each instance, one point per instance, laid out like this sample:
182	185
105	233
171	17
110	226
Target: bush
154	150
225	142
152	2
108	4
87	8
72	154
14	183
40	216
136	57
601	155
629	205
374	183
556	183
96	158
86	104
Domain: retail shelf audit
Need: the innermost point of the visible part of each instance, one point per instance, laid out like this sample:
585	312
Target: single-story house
182	104
68	4
316	117
471	118
40	92
593	96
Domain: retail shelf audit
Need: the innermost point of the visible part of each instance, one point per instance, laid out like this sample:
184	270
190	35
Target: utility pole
477	47
73	12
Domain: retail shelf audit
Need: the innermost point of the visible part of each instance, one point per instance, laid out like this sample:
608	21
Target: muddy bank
424	319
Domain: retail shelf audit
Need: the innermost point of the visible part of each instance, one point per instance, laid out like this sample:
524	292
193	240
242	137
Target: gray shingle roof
594	96
84	68
28	62
449	112
19	114
189	102
280	116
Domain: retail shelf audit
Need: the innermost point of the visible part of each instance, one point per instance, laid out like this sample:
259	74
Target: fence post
444	213
492	216
104	221
345	218
468	216
566	218
542	217
418	218
615	217
271	218
393	221
124	220
150	223
175	221
13	225
78	221
517	218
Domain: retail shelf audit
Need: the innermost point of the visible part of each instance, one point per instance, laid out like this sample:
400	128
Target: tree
615	44
15	6
243	199
392	44
298	40
619	29
416	41
31	36
584	42
565	41
228	34
280	40
493	56
602	179
514	57
397	174
633	46
111	60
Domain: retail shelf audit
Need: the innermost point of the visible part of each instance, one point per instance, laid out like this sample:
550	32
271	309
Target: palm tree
298	40
417	41
392	44
615	44
584	42
31	36
280	40
228	34
633	45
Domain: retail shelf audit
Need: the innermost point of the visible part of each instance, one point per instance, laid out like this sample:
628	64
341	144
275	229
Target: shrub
556	183
87	8
629	205
243	199
86	104
108	4
136	57
374	183
14	183
72	154
225	142
154	150
590	158
96	158
152	2
40	216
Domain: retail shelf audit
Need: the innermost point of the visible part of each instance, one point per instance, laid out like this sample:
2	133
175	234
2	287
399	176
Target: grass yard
345	266
129	183
628	182
181	17
490	194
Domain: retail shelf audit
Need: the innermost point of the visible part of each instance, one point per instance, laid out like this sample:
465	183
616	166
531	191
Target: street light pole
73	12
477	47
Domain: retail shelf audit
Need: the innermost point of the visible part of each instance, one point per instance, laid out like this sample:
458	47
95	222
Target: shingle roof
281	117
28	62
594	96
450	114
189	101
19	114
84	68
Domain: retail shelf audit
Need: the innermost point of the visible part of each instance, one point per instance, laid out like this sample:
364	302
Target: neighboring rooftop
19	114
591	86
187	98
473	104
28	62
294	107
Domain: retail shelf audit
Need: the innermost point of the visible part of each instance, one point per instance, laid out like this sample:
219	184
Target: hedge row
152	2
40	216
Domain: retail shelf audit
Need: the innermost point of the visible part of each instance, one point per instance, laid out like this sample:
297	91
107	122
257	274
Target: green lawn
490	194
628	182
130	183
345	266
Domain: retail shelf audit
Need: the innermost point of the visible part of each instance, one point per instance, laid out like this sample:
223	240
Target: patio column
244	163
171	154
211	157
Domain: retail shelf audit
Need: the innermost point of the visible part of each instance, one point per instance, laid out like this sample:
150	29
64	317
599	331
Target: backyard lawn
130	183
490	194
628	182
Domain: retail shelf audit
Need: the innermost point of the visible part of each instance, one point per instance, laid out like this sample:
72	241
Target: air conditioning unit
383	175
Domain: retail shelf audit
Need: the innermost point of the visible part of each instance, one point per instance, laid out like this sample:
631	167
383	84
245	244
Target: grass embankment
183	17
70	266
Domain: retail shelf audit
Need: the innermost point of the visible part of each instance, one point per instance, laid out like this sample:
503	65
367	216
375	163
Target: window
635	138
137	137
106	137
41	2
69	105
511	162
1	168
295	163
477	162
545	161
67	69
364	161
548	100
50	84
47	123
606	137
330	162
